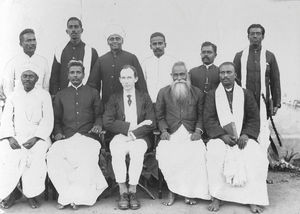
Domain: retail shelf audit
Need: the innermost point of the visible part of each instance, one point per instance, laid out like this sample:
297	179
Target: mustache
205	57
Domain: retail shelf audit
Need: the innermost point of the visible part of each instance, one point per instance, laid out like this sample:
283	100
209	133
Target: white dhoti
74	171
136	149
256	167
183	164
27	164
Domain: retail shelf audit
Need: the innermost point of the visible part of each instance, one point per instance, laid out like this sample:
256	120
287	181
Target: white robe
157	72
15	67
252	160
183	164
25	115
74	171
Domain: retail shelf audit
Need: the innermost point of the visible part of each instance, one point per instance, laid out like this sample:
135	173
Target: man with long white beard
237	164
181	152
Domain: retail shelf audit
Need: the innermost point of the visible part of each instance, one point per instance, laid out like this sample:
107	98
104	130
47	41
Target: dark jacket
171	116
251	121
272	77
114	117
106	73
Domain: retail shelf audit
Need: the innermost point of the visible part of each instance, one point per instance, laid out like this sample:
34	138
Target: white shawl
263	67
234	168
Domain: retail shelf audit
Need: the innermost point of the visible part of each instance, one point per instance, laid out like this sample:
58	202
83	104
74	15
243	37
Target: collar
27	56
208	66
77	86
257	49
117	53
132	93
77	45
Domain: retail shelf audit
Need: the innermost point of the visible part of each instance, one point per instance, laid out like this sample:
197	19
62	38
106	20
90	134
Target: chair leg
147	191
160	182
46	192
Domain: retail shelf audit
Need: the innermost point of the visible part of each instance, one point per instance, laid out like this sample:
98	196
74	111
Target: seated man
129	115
26	125
181	152
236	163
73	159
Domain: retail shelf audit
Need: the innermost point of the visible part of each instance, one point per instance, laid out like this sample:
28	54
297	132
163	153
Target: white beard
180	91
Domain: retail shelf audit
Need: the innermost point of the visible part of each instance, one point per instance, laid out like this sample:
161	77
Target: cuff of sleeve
199	130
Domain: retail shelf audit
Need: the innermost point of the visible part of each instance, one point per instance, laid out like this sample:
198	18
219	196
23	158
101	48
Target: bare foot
60	206
190	201
33	203
74	206
256	209
171	199
214	206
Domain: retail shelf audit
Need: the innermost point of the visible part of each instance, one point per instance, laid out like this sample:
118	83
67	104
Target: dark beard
180	91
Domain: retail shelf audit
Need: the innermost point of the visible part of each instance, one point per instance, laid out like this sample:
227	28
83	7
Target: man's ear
136	79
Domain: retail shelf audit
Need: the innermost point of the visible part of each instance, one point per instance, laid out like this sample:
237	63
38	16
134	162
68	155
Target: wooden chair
150	153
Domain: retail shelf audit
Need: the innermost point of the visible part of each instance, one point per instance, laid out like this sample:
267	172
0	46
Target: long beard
180	91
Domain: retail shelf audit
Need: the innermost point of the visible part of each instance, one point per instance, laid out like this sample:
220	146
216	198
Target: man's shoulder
196	69
164	89
239	54
90	89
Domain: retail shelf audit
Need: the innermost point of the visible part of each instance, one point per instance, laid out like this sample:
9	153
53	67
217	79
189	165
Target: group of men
209	131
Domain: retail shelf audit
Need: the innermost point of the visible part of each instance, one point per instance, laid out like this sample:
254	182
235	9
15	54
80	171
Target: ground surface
284	195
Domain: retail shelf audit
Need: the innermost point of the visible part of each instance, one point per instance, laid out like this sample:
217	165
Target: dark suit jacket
199	74
171	116
272	78
114	117
106	72
251	122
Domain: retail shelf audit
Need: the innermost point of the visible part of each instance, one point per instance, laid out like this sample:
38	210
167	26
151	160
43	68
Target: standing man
129	114
26	125
181	152
156	67
73	159
106	71
76	49
14	68
257	70
237	164
206	76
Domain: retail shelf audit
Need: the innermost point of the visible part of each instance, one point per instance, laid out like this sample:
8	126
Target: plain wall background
186	25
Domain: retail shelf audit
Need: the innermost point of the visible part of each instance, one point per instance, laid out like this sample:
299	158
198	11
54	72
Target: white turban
114	29
31	67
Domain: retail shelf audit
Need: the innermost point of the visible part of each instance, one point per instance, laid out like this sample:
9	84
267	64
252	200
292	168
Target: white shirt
157	72
27	115
15	67
130	111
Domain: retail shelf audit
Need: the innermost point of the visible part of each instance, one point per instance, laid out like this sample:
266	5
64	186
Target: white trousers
183	164
29	165
74	171
136	149
256	167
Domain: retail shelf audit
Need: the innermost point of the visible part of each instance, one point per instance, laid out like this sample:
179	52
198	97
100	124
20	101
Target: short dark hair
227	63
74	18
73	62
132	68
204	44
256	26
158	34
25	31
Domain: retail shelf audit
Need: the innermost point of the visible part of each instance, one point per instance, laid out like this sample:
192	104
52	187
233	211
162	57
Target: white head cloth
31	67
114	29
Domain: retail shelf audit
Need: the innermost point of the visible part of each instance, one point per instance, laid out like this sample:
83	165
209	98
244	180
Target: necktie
129	99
